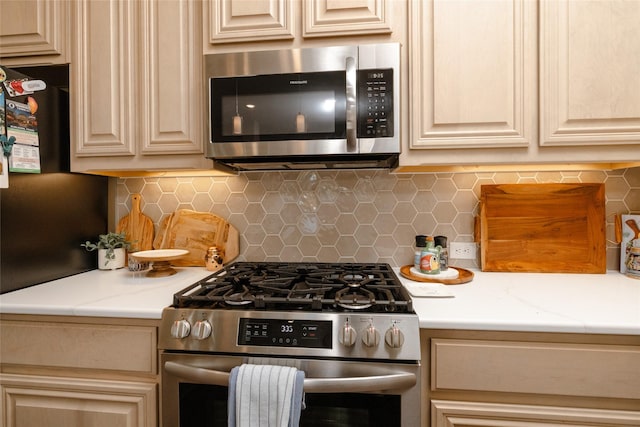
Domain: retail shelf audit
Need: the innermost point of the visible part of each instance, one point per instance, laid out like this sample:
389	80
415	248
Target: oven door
337	393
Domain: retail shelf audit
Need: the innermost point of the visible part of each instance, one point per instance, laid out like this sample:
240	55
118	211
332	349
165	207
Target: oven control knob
180	329
371	337
201	330
394	337
347	335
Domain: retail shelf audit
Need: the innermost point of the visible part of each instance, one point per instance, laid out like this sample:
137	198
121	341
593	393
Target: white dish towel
265	396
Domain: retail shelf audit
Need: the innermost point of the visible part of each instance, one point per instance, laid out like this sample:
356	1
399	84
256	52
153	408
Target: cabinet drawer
480	414
540	368
90	346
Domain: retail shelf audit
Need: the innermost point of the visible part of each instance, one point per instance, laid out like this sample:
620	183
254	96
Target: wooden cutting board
197	232
549	228
137	227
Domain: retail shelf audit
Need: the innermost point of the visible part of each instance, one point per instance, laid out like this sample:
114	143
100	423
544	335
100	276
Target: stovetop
333	310
318	287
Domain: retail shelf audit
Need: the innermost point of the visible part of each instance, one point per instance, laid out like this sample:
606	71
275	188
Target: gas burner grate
299	286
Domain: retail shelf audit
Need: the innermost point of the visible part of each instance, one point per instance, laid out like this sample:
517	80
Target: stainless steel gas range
351	328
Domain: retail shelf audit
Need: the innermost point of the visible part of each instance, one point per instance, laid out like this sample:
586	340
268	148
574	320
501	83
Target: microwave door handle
372	383
352	142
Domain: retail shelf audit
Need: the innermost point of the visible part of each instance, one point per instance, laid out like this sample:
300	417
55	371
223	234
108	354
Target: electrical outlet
463	250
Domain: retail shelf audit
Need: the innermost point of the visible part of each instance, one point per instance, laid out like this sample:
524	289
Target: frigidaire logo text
297	82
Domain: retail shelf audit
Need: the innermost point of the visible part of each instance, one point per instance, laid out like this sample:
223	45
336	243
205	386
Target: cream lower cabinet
461	414
137	91
76	372
33	400
530	379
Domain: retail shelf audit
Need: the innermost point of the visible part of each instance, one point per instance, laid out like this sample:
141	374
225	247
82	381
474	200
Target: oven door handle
311	385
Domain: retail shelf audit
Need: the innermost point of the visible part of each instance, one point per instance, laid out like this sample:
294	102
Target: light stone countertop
535	302
102	293
577	303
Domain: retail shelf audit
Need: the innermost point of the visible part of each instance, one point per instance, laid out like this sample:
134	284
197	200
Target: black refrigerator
44	217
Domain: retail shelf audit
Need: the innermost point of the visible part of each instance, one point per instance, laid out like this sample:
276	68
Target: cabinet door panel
245	21
341	17
172	110
33	28
590	79
463	414
47	401
474	73
102	76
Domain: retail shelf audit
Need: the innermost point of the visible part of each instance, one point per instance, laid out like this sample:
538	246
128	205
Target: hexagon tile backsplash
354	216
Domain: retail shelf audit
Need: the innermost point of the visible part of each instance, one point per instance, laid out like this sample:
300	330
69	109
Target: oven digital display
285	333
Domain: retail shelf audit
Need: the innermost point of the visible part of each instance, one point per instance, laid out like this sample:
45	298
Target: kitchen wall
354	216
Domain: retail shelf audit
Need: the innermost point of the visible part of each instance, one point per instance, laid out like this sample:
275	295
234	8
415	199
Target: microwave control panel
375	103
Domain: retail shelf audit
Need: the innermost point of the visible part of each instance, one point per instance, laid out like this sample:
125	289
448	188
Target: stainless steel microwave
311	108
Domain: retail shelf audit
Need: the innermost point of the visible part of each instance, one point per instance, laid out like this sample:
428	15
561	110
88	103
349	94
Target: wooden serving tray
544	228
197	232
464	276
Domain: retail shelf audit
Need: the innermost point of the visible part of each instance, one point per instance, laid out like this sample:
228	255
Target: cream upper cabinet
523	82
103	79
473	73
323	18
232	21
137	89
34	32
590	72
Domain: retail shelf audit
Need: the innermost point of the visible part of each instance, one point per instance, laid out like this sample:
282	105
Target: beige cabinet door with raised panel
590	73
103	81
171	83
34	32
231	21
481	414
472	73
330	18
137	96
30	401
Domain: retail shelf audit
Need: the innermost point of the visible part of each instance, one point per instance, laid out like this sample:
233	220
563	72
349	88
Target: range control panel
285	333
356	335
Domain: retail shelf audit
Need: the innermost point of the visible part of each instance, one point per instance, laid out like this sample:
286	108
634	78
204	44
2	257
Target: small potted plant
112	248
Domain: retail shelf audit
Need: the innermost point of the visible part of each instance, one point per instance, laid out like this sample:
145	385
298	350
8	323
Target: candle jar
213	259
